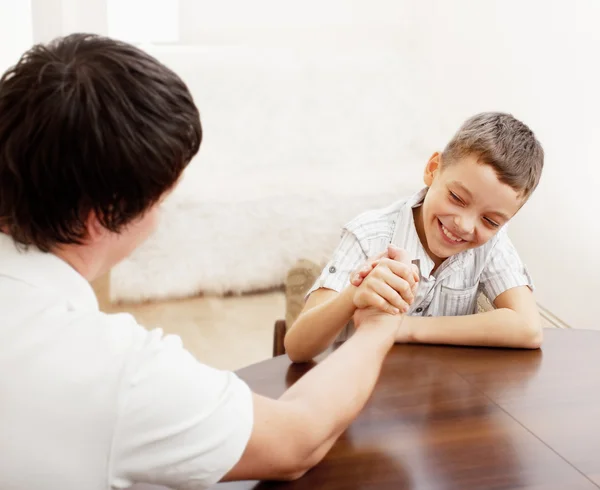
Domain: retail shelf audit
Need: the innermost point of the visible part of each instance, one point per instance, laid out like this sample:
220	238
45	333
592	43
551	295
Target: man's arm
515	323
323	317
206	423
292	434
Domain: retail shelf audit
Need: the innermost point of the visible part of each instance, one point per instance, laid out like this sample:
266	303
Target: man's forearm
332	394
316	329
498	328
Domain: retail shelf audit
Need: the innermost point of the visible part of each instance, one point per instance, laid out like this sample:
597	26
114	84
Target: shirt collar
45	271
416	200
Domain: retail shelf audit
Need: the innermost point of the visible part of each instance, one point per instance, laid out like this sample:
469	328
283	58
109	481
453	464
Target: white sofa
296	143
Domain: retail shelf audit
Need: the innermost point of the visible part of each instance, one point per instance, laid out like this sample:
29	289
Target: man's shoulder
116	332
77	359
376	223
99	344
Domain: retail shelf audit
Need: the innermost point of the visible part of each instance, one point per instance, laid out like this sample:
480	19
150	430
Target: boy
94	133
455	228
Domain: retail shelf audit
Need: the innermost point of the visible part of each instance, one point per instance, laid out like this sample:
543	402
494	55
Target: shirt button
419	309
332	270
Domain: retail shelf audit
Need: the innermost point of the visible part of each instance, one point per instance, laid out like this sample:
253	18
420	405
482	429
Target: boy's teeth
450	235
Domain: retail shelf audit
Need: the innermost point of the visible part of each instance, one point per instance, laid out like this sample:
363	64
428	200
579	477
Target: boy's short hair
88	123
505	143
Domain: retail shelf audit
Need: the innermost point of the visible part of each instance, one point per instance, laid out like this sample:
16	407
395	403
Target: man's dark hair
89	124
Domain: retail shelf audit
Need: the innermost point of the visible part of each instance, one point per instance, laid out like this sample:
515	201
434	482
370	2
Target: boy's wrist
405	332
348	297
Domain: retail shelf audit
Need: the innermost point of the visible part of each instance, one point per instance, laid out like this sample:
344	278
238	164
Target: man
94	134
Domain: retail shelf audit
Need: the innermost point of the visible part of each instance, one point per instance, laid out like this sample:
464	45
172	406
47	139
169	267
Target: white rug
228	244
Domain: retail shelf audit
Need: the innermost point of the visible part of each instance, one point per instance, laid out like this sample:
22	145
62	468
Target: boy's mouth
449	236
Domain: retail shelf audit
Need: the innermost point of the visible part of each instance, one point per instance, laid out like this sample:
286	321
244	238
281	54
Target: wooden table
460	418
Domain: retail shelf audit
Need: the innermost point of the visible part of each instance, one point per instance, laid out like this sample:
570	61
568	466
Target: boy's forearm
316	329
498	328
332	394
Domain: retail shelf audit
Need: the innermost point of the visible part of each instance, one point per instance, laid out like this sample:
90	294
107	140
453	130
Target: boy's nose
465	224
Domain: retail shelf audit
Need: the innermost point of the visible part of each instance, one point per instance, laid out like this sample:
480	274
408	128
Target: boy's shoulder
499	247
379	222
500	240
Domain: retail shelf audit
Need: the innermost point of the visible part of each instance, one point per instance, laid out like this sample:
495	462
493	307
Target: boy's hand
390	285
363	271
356	278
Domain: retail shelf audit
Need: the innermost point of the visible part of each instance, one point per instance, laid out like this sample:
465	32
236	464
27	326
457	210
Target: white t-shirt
94	401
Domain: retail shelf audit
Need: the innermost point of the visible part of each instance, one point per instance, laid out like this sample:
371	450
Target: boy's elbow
535	333
297	356
536	338
529	325
290	348
294	351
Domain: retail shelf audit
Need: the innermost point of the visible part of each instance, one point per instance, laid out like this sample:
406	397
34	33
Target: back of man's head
89	124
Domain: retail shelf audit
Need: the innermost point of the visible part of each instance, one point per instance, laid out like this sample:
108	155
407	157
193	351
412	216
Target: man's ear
95	230
432	168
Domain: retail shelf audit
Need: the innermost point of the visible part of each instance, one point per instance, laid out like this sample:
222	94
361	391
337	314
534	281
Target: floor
226	333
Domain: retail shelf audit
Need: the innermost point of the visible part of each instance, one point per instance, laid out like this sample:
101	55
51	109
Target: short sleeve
346	258
181	424
504	269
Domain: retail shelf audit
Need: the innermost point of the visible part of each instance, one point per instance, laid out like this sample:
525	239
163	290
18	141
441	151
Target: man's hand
386	282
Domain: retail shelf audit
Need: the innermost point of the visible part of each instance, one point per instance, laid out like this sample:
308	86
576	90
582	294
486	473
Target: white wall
15	31
341	23
143	21
537	59
52	18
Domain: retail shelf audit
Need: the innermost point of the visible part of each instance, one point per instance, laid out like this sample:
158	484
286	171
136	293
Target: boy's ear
432	168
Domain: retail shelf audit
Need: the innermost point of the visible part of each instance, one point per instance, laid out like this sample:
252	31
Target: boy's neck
420	227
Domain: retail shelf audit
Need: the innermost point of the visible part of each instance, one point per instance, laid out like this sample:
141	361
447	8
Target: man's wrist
383	326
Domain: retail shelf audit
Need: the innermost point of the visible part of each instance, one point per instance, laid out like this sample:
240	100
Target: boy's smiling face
465	206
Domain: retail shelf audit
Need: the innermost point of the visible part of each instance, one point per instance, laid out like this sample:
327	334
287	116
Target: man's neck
80	258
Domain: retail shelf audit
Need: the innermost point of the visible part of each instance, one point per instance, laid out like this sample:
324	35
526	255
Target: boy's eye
455	198
493	224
